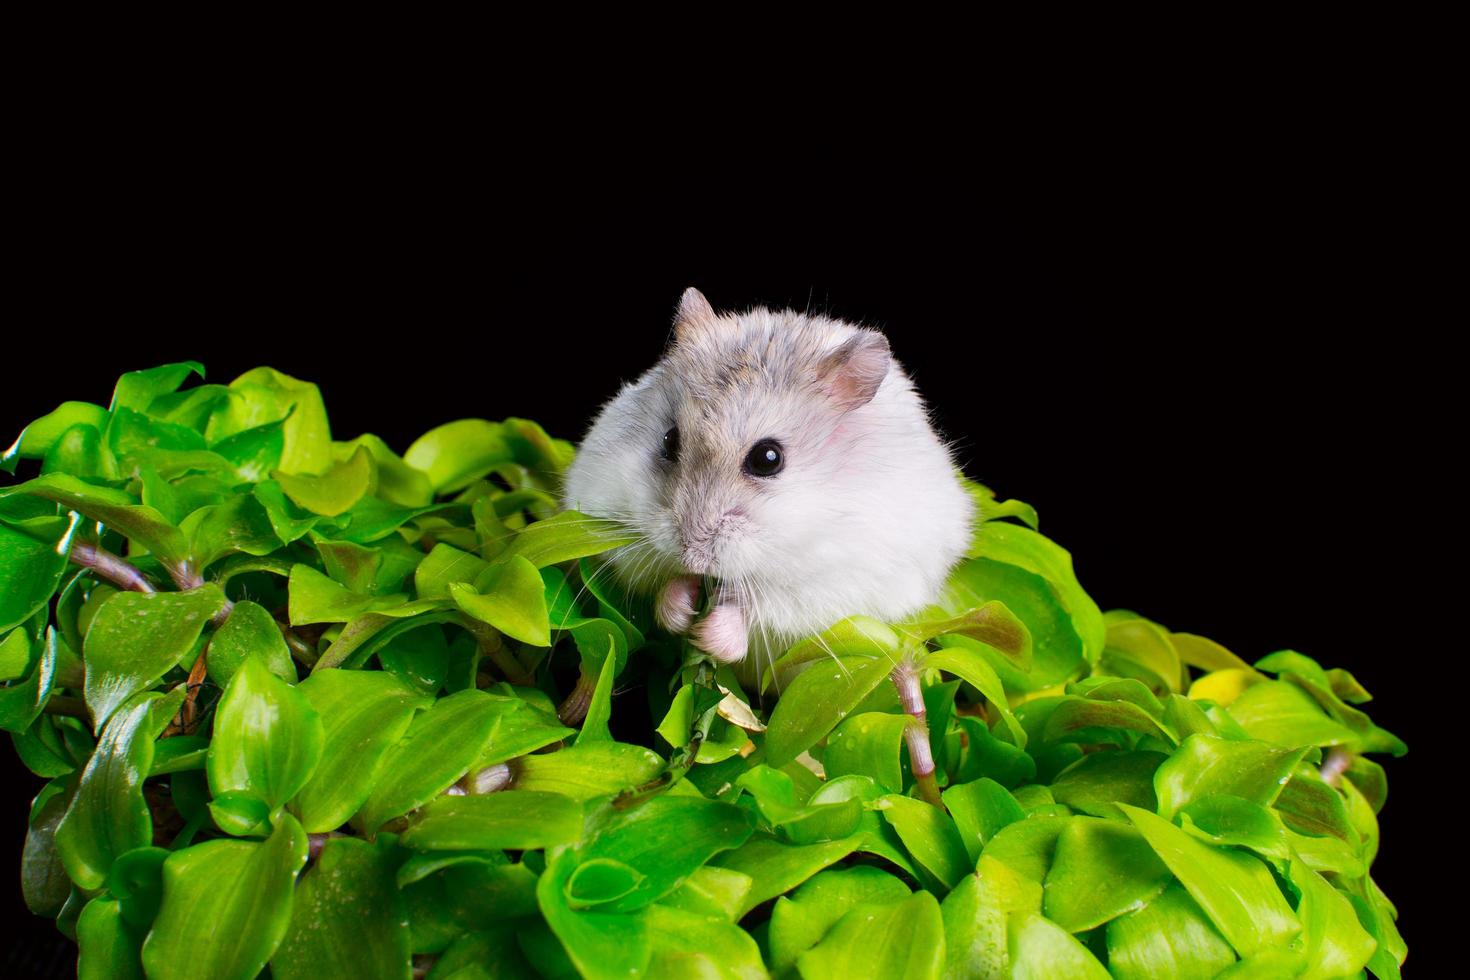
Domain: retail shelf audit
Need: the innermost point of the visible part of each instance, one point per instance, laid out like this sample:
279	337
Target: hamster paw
675	607
722	634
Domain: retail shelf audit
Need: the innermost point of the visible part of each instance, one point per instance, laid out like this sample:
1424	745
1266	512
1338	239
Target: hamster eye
670	449
765	458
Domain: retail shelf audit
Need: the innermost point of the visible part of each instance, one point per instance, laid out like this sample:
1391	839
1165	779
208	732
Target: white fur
868	515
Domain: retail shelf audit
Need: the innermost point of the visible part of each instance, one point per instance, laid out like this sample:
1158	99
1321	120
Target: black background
1208	362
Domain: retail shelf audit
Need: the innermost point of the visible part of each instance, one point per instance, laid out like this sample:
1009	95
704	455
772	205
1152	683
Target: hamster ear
695	314
851	374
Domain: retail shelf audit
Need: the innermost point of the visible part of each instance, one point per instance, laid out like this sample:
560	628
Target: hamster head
786	455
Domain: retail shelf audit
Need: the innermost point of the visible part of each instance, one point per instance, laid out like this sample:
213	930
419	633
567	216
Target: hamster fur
865	515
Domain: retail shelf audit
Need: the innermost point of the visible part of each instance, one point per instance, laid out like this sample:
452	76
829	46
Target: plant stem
574	708
905	677
301	651
110	567
60	704
493	649
1337	762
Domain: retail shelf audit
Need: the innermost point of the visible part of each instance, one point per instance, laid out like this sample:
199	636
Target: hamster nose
698	540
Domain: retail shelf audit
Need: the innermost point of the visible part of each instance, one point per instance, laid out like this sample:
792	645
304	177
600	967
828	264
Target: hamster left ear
851	374
694	315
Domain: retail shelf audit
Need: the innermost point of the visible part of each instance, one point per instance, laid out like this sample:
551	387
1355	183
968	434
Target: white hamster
785	456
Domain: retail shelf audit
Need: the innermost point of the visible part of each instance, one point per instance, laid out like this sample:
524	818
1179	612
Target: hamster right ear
694	316
851	374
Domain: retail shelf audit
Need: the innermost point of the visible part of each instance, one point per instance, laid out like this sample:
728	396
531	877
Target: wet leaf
267	740
347	917
257	904
138	637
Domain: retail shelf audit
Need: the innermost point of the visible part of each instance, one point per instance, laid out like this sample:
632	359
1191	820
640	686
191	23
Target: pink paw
722	634
675	607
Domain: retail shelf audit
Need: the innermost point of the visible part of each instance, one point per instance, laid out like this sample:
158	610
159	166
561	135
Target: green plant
305	703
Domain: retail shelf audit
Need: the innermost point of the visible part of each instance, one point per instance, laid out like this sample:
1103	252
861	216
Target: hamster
784	457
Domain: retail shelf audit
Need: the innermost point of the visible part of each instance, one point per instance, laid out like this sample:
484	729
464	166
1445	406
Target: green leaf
1234	889
138	389
1169	937
1097	782
443	565
352	565
981	809
600	881
992	625
108	947
254	453
1336	944
238	525
522	729
398	483
1275	711
137	637
602	944
317	599
334	491
107	816
594	726
484	955
664	840
136	879
80	452
990	508
456	454
364	714
1021	559
1308	804
366	634
247	884
856	636
969	664
820	697
1101	870
119	511
420	657
43	878
987	755
930	836
1026	848
251	631
799	922
1141	649
904	940
266	395
510	596
1205	765
33	557
776	797
687	943
267	739
776	868
38	437
567	536
1041	950
1075	719
509	819
287	520
347	918
868	744
24	700
440	746
711	891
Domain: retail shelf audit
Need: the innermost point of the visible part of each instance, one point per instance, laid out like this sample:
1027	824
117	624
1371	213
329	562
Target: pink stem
110	567
905	677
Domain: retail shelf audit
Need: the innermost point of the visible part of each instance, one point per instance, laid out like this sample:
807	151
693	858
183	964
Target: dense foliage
309	706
